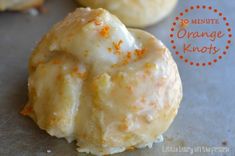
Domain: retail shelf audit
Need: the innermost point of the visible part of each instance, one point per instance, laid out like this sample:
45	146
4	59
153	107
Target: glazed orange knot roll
108	87
135	13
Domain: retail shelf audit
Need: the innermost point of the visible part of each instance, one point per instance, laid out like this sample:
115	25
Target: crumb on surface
105	31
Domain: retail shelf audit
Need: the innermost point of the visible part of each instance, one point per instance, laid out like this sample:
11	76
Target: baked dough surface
135	13
19	5
108	87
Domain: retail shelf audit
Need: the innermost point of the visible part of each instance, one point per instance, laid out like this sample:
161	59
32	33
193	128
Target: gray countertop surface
206	117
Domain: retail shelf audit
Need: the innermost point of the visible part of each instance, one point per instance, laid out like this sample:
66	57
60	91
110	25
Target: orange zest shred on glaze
117	47
27	110
76	72
105	31
127	59
139	52
128	56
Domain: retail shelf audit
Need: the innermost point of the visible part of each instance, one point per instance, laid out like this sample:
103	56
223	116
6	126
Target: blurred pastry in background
108	87
135	13
19	5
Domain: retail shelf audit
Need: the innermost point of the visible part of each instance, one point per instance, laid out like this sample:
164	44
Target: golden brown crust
19	5
135	13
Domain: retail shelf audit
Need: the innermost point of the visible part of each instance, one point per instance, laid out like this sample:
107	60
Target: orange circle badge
201	35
